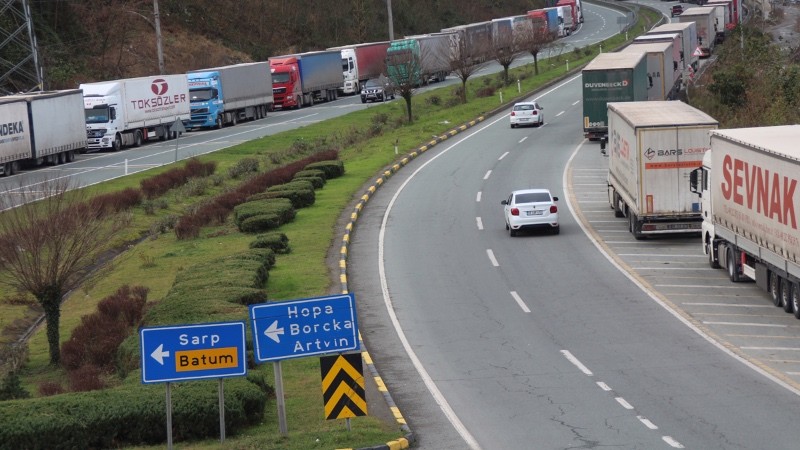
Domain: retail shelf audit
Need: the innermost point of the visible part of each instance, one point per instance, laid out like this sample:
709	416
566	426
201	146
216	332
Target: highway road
582	340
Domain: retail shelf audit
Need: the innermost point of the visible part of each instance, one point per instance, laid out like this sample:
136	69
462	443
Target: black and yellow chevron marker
343	386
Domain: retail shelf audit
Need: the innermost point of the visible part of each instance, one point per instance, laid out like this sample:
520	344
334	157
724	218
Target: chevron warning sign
343	386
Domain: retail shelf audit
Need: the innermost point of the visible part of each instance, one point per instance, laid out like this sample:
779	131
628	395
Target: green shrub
257	224
280	207
129	415
332	169
277	242
300	198
294	184
310	173
317	182
243	167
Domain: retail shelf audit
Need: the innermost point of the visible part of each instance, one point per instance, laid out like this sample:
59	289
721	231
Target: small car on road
531	209
527	113
377	90
676	10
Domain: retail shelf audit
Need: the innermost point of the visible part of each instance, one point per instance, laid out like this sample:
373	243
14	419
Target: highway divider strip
408	438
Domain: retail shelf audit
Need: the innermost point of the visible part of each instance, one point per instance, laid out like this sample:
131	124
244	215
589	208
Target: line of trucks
672	170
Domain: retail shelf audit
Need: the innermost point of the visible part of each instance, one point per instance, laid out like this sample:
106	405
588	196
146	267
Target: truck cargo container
477	39
41	128
575	11
653	148
705	19
748	192
565	11
724	17
360	62
555	20
131	111
677	45
662	69
539	22
688	32
511	31
611	77
227	95
303	79
419	59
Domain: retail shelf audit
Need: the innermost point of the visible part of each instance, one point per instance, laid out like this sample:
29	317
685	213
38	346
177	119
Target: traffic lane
466	330
740	315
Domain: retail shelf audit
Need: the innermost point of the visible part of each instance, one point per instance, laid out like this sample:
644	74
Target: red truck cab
286	82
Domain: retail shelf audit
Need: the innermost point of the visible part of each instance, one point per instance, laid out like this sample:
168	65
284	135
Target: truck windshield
345	66
280	77
96	115
202	95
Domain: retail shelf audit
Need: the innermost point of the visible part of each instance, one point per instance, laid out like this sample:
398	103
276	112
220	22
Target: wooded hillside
83	41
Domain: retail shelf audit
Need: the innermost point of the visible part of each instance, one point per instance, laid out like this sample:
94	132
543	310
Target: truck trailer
748	192
476	38
131	111
705	18
662	69
306	78
226	95
360	62
654	145
419	59
688	33
41	128
611	77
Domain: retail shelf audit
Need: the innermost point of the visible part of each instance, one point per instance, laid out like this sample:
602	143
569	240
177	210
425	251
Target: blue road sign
193	352
297	328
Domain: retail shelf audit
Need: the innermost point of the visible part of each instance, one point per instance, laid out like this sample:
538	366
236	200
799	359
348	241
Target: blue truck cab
207	101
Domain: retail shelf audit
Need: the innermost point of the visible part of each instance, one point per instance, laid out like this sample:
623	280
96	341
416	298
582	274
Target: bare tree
505	49
50	239
534	40
466	60
404	68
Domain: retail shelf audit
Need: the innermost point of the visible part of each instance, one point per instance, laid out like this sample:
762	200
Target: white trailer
688	32
705	18
130	111
748	187
40	128
654	145
662	69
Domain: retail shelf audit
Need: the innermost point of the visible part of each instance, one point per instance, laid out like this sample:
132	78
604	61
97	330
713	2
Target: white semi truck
131	111
749	195
654	145
40	128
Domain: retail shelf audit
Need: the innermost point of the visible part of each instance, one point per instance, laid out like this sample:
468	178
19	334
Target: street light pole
157	18
391	23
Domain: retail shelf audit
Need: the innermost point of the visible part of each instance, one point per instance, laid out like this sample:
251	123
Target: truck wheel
117	143
733	270
633	225
617	209
137	138
219	123
234	119
775	288
786	296
796	300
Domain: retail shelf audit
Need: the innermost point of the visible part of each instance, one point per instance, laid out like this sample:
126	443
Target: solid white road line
571	358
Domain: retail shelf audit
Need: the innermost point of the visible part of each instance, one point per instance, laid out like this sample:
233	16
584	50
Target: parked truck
360	62
663	81
575	12
688	32
555	20
611	77
748	192
40	128
226	95
303	79
477	39
567	16
705	19
419	59
677	48
654	145
131	111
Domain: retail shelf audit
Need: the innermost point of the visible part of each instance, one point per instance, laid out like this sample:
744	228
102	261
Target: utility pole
20	70
157	18
391	23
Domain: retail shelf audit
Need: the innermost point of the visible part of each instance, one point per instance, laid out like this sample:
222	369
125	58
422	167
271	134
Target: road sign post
193	352
298	328
177	128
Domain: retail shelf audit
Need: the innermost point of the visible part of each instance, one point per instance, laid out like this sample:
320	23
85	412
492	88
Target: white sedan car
530	209
527	113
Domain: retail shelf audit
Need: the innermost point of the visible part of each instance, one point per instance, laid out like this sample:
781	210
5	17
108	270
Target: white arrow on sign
159	354
273	332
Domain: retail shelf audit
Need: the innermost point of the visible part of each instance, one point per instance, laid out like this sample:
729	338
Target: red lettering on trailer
742	183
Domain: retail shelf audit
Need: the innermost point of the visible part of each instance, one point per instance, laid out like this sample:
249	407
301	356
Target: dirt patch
785	28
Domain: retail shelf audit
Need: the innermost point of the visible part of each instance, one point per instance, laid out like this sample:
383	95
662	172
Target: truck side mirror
694	176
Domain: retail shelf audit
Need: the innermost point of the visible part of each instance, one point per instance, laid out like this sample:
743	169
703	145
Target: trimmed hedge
332	168
277	242
128	415
314	173
317	182
292	185
257	224
281	207
300	198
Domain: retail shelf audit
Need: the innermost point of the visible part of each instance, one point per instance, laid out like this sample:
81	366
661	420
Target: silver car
531	209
